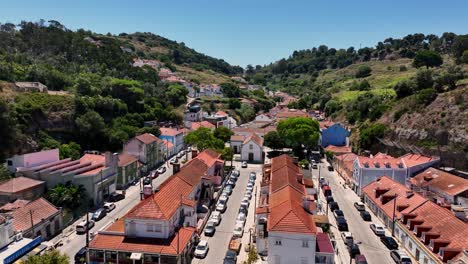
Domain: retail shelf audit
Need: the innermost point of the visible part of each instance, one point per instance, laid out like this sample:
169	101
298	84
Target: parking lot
219	242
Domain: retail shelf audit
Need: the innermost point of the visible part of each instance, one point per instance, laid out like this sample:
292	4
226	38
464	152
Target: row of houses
163	227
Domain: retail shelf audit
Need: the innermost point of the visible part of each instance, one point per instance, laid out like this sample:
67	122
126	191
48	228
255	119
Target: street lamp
394	212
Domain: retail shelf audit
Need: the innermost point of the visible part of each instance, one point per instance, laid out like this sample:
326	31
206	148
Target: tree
4	173
299	132
460	45
177	94
51	257
83	87
203	138
223	133
427	58
252	256
363	71
246	113
234	103
227	154
8	130
67	195
424	79
368	135
230	90
404	88
90	126
426	96
273	140
332	106
71	150
464	58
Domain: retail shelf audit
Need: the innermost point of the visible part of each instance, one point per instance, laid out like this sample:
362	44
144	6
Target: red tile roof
255	138
40	208
206	124
167	131
440	180
386	189
324	244
19	184
168	144
337	149
237	138
14	205
290	217
144	245
125	159
411	159
97	163
209	157
147	138
288	113
372	162
221	113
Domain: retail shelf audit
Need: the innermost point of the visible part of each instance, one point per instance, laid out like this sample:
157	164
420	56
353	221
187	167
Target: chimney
407	217
422	228
387	197
380	191
428	178
413	223
175	168
402	207
194	153
299	177
427	236
409	194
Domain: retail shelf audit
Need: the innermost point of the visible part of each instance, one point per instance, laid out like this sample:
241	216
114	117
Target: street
218	244
369	244
73	243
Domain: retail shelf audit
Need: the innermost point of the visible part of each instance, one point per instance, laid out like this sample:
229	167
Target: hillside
420	109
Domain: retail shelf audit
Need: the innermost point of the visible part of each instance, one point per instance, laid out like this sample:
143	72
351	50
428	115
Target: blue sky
252	31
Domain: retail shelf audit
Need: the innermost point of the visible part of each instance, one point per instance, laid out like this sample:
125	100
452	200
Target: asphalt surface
369	244
74	242
218	243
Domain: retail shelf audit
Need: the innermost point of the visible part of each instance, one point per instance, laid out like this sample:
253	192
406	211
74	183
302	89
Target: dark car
334	206
210	229
354	251
330	199
230	257
330	167
342	224
338	213
366	216
389	242
115	197
80	256
147	181
360	259
243	210
99	214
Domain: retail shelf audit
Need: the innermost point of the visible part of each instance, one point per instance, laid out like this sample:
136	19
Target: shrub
403	68
399	113
427	58
424	79
426	96
363	71
368	135
404	88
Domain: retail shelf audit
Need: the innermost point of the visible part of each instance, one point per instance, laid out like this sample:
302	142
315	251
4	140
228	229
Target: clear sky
252	31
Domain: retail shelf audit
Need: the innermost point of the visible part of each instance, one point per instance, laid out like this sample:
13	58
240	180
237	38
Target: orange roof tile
125	159
167	131
440	180
40	208
221	113
255	138
209	157
237	138
337	149
14	205
412	160
288	113
406	199
147	138
292	218
197	125
19	184
393	162
144	245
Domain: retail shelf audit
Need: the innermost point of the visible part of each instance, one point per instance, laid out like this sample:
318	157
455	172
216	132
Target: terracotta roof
262	131
347	157
167	131
255	138
288	113
168	144
209	157
237	138
411	159
324	244
337	149
40	208
386	188
125	159
19	184
197	125
14	205
440	180
372	162
290	217
147	138
98	161
144	245
193	172
326	124
221	113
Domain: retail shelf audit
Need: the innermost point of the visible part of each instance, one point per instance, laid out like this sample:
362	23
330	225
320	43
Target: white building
252	149
32	159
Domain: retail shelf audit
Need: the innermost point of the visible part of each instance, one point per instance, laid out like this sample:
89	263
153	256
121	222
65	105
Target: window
149	228
250	146
304	260
157	228
410	245
10	163
425	260
305	243
278	242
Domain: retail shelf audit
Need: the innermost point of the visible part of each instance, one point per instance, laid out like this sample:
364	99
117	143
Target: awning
135	256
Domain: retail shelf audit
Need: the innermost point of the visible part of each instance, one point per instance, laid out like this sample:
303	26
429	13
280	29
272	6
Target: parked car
347	238
248	195
80	256
244	164
378	229
338	213
359	206
366	216
238	230
249	188
224	197
210	228
342	224
245	202
329	199
235	173
221	206
82	227
253	175
389	242
99	214
241	218
180	154
243	210
330	167
314	166
161	169
202	249
360	259
230	257
400	257
231	182
250	184
334	206
147	181
233	178
228	189
109	206
173	160
215	217
115	197
354	250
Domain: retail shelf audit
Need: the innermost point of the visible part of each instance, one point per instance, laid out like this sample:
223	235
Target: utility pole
32	222
394	211
255	204
87	227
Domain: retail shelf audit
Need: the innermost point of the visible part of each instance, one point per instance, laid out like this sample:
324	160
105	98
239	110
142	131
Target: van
347	238
81	227
109	206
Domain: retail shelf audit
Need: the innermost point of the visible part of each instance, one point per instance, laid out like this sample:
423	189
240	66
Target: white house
236	143
252	148
263	118
32	159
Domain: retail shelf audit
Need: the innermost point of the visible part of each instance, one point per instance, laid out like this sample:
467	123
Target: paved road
369	243
219	242
73	243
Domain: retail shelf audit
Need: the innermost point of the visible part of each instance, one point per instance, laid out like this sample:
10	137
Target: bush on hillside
427	58
426	96
404	88
424	79
363	71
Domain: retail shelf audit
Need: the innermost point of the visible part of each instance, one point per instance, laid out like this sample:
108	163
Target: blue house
335	135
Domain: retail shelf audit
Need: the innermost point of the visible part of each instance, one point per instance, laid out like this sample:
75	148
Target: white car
378	229
216	217
245	202
224	197
238	230
249	188
221	206
248	195
250	184
241	218
201	249
109	206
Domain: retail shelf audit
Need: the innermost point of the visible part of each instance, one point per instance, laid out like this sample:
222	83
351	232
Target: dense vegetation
107	100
